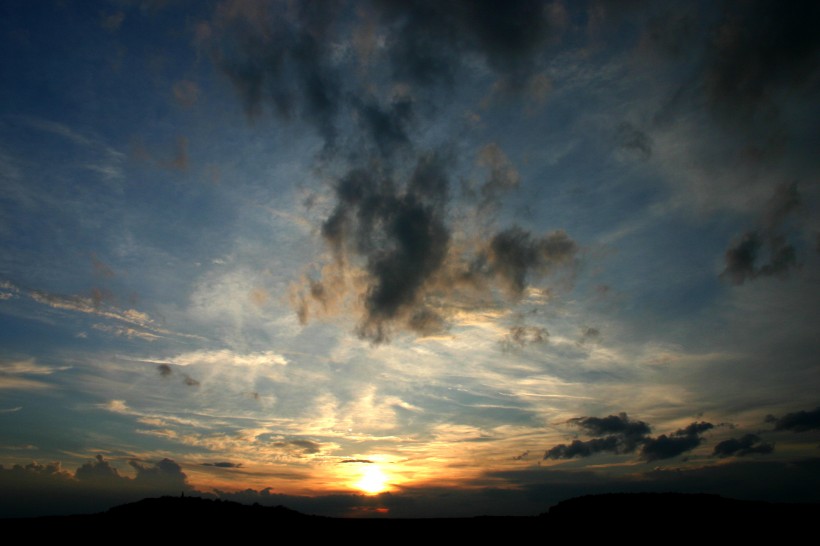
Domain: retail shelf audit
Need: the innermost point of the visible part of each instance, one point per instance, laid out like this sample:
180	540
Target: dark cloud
286	58
163	474
741	258
36	489
673	31
99	469
401	234
759	49
502	177
765	251
589	335
521	336
632	431
619	435
580	448
306	447
630	138
283	58
514	254
799	421
386	126
430	41
391	211
224	464
680	441
749	444
363	461
165	370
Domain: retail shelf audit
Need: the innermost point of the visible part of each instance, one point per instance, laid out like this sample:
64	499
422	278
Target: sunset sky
407	258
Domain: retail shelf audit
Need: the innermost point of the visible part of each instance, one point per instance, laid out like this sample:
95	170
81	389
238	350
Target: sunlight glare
373	480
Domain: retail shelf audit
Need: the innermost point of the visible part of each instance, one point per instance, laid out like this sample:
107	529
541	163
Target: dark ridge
588	516
679	515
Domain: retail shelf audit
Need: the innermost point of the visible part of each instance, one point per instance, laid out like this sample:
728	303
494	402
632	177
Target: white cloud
29	367
229	358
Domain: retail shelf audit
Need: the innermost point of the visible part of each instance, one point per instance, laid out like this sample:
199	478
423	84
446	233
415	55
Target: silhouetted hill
685	513
639	516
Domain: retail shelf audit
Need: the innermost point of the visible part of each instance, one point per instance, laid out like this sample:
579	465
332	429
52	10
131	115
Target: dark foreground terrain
638	517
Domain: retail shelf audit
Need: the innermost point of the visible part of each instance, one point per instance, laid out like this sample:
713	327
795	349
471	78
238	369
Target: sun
373	480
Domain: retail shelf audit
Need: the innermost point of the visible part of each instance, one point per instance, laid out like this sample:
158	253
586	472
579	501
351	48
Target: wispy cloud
13	375
132	322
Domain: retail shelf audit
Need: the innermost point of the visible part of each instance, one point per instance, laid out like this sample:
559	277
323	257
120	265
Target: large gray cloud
398	232
393	203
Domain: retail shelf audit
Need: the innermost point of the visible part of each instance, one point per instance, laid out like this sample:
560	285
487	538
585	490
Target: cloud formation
301	447
413	273
765	251
224	464
680	441
37	489
799	421
167	371
391	232
749	444
759	50
618	434
521	336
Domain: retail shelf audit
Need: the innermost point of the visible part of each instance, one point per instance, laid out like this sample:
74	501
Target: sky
407	258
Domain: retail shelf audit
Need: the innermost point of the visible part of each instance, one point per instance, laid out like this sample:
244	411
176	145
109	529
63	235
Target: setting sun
372	481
